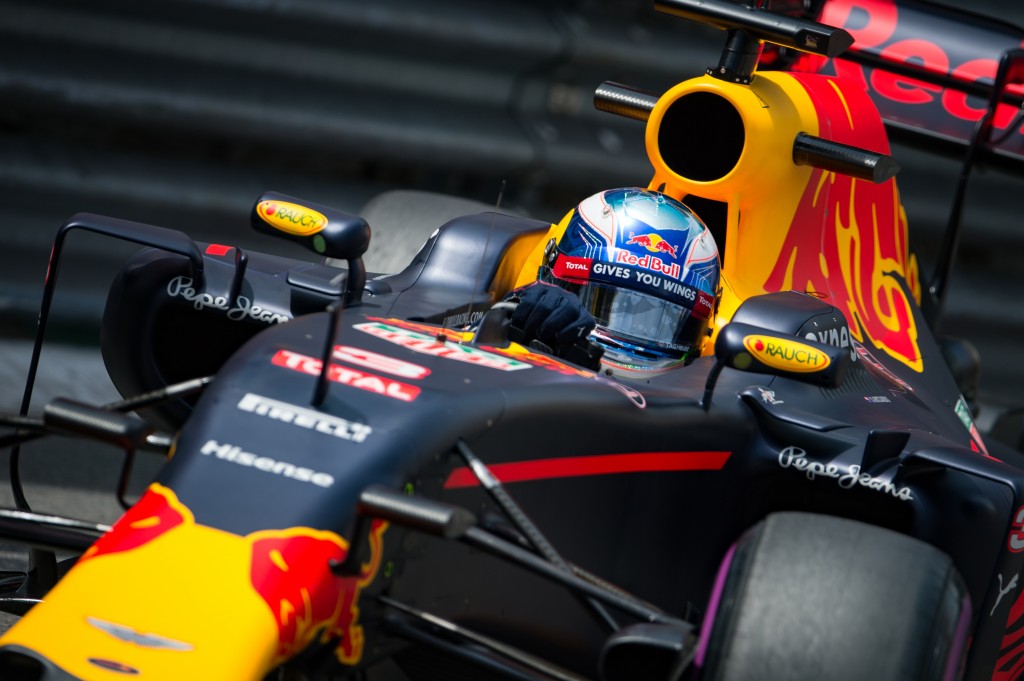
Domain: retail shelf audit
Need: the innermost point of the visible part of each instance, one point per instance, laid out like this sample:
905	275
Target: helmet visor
638	318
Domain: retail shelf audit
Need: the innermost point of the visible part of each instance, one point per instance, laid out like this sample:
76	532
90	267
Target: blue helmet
646	268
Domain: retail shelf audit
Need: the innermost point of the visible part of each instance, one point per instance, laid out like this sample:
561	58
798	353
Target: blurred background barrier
180	113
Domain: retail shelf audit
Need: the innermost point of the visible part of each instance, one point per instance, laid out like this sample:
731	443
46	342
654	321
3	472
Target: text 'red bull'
648	262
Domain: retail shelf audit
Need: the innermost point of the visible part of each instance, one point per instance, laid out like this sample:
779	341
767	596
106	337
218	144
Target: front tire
811	597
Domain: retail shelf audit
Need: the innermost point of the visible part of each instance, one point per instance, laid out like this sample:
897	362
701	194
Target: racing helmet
647	268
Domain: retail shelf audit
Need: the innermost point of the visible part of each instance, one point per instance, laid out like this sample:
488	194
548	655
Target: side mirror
323	230
752	348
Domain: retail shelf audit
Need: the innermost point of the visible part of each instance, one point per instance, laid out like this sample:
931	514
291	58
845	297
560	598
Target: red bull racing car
371	478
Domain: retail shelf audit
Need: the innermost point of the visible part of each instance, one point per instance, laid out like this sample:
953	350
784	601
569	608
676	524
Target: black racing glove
554	317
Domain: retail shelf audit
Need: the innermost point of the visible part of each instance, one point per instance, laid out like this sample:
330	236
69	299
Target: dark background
180	113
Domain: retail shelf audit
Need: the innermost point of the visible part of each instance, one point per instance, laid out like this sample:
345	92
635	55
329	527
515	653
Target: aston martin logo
129	635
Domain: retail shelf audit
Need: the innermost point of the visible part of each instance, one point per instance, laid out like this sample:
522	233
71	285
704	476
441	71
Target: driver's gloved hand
554	317
550	314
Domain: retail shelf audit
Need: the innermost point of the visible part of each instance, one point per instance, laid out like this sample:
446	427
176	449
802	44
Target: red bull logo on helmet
653	243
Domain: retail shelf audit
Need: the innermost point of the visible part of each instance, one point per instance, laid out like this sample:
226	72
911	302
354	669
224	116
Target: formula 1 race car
376	477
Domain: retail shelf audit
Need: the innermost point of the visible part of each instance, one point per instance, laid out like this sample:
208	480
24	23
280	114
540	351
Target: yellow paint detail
305	629
842	99
144	523
287	610
913	275
278	560
159	590
224	627
520	263
890	305
291	218
785	354
787	282
367	573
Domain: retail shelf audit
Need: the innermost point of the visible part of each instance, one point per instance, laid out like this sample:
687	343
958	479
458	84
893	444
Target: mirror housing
323	230
752	348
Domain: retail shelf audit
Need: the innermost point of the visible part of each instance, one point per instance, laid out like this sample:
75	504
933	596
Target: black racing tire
806	597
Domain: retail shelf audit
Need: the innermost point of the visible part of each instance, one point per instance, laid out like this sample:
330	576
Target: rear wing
930	70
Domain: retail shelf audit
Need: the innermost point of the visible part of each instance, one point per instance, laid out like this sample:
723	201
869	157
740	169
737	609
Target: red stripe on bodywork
217	249
605	464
